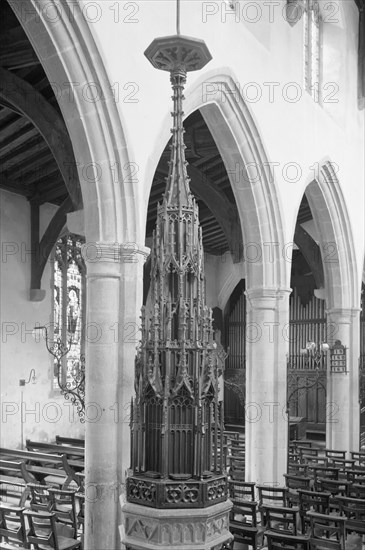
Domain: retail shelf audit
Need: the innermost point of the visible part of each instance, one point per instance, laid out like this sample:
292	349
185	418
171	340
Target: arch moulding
334	228
240	145
66	48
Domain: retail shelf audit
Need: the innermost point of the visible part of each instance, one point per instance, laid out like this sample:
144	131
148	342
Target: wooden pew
75	455
69	451
71	441
43	467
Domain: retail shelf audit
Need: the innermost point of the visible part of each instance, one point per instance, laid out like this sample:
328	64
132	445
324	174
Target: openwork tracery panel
177	421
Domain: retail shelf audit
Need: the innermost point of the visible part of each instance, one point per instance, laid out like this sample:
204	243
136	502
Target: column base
181	529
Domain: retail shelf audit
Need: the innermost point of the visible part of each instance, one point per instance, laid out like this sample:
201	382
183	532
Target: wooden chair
238	446
314	460
271	496
243	524
297	468
327	472
60	501
342	463
63	504
293	483
39	497
80	500
43	532
293	457
12	526
354	510
312	501
13	492
327	532
333	486
281	519
337	489
281	541
236	467
301	443
331	453
355	475
359	457
308	451
356	490
241	491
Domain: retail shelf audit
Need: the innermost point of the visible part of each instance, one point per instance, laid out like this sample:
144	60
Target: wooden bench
74	461
69	451
42	467
71	441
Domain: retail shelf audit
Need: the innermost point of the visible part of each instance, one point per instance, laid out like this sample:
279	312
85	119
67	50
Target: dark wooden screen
235	344
307	324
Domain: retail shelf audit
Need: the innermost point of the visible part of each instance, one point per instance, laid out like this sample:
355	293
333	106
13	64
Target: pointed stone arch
342	286
334	228
66	48
239	142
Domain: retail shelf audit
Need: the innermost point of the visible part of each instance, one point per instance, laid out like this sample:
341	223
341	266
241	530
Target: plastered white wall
33	411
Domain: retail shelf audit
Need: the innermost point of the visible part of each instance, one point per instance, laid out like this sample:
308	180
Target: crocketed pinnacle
177	188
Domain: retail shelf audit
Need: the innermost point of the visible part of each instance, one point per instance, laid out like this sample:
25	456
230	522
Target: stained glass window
69	304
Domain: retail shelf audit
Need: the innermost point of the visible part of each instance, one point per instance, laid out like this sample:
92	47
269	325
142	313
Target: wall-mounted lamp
31	378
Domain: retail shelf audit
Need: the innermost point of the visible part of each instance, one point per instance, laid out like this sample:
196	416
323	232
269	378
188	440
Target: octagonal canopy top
169	53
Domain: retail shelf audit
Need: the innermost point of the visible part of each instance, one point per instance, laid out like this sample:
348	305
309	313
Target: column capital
266	298
346	313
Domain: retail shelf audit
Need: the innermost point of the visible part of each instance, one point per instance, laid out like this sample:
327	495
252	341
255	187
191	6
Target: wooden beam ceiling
26	99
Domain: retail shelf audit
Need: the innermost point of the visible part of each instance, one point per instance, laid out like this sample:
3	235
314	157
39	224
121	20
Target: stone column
266	373
342	402
113	282
131	297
